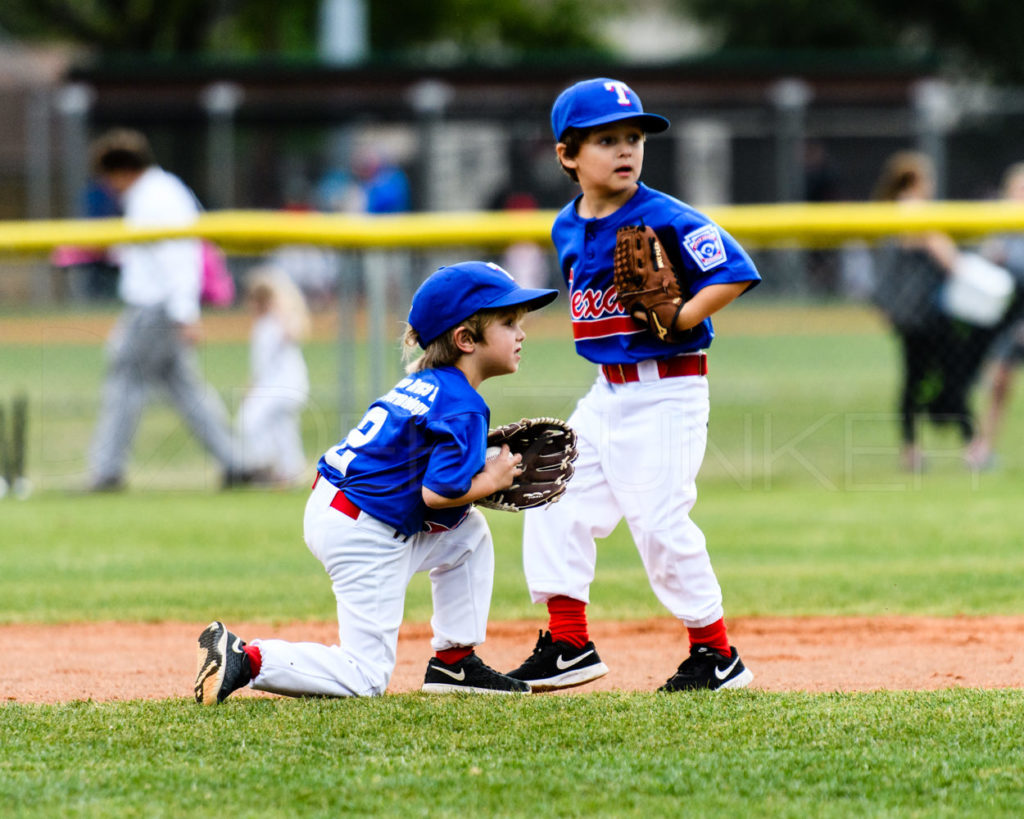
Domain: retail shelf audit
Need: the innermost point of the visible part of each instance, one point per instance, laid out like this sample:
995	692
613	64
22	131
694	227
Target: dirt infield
123	661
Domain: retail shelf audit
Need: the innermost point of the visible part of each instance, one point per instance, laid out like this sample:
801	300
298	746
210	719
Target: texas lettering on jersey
597	313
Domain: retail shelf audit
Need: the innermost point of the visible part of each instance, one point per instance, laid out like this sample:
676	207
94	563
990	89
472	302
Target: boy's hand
542	451
502	466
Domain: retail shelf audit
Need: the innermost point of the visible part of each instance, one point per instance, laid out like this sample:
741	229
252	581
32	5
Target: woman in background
911	272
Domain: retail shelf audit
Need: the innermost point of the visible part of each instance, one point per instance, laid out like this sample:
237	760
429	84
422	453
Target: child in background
269	419
395	498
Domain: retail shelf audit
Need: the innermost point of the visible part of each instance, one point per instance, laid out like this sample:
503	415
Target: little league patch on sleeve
705	246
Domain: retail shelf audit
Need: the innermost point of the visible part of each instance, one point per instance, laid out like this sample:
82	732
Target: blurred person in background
152	344
385	186
269	419
1008	350
911	271
91	272
821	184
373	183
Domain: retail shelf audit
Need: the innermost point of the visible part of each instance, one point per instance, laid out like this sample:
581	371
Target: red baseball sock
451	656
255	660
567	621
712	635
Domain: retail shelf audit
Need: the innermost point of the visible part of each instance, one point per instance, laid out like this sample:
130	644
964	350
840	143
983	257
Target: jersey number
361	434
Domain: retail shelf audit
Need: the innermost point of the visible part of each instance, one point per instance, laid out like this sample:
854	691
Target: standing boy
395	498
642	427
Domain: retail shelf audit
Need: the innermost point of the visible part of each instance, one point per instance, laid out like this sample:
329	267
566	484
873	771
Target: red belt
344	505
340	502
696	364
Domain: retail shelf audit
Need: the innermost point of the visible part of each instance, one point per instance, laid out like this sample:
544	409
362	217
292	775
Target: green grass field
745	754
806	513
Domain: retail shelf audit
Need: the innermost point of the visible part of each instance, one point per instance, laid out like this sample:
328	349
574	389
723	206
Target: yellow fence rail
810	225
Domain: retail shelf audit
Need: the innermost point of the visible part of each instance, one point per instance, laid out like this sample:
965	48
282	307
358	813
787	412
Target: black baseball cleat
470	675
707	668
235	478
110	484
559	665
221	665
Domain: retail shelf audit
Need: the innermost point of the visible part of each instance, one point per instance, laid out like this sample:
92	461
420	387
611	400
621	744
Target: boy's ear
463	339
568	161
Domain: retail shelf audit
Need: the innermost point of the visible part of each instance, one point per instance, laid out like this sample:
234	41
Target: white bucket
978	291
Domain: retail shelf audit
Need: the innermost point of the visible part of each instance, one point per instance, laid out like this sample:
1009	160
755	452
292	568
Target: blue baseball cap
599	102
454	293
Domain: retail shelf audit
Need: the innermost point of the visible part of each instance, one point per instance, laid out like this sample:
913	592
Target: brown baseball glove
646	283
548	447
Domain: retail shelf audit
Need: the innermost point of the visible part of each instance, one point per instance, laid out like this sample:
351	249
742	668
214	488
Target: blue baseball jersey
701	252
429	430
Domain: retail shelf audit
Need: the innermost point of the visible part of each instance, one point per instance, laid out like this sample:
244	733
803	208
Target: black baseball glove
548	447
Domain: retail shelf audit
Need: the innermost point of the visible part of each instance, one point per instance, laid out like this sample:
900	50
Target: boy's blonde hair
443	351
275	290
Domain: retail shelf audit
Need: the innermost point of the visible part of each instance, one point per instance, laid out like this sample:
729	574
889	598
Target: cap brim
531	299
650	123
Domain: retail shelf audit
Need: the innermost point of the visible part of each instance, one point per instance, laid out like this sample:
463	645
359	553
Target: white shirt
275	359
169	272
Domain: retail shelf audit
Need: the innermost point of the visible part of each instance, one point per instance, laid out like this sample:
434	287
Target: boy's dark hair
443	351
573	139
121	150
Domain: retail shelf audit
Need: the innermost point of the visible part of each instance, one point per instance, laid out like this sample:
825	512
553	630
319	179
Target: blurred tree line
984	38
223	28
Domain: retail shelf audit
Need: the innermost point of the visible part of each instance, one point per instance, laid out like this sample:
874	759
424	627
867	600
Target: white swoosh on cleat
723	674
237	646
564	664
460	676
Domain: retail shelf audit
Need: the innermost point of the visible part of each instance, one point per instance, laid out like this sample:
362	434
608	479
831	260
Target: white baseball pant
370	570
641	445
